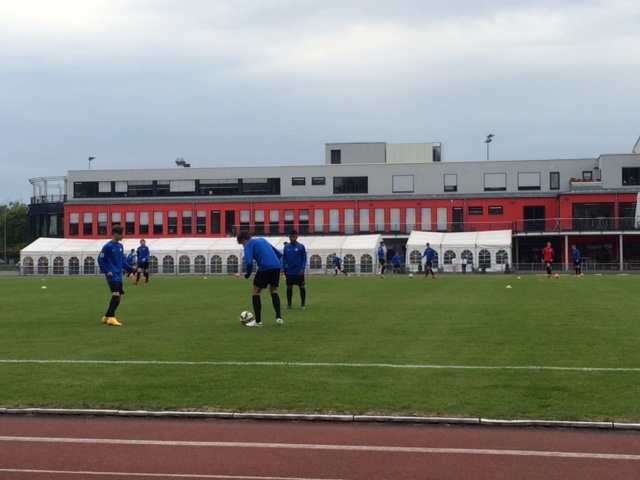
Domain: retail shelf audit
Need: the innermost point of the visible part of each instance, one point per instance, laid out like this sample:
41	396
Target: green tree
13	230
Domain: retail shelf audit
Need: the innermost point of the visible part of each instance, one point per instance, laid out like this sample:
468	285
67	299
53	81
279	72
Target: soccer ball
246	316
557	275
411	275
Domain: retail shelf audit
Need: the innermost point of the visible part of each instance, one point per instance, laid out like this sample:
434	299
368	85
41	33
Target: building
364	188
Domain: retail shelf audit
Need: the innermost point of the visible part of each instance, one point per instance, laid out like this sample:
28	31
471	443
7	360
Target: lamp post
91	158
488	140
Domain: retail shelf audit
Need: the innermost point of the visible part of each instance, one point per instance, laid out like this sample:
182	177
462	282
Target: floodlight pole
488	140
91	158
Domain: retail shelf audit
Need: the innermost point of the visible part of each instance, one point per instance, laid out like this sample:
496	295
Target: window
450	182
554	181
630	175
158	225
245	219
349	219
587	175
334	220
163	188
140	189
116	218
274	221
476	211
496	211
298	181
186	222
87	224
182	186
102	223
218	187
303	220
216	224
410	214
529	181
258	221
289	220
343	185
394	214
201	222
318	221
74	220
144	223
379	220
318	181
364	220
494	182
130	223
425	215
336	157
402	183
172	223
260	186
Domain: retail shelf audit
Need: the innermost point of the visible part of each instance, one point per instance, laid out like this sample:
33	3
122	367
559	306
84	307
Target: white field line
306	446
327	364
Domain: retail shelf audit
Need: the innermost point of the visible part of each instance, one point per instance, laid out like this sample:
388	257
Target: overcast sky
139	83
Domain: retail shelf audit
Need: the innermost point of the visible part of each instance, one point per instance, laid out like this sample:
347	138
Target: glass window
342	185
318	181
476	211
495	182
554	180
298	181
450	182
495	211
402	183
529	181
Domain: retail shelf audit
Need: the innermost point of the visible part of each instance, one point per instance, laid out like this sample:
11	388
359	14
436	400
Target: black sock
257	307
275	299
113	304
289	296
303	296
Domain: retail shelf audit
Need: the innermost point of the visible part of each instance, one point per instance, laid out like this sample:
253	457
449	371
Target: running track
106	448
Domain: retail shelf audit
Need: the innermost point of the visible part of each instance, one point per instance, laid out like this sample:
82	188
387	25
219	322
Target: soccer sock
290	296
113	304
303	296
257	307
137	277
384	267
275	299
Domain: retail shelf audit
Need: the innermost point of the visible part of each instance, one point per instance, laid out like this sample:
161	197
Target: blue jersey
112	260
266	256
576	256
430	254
131	259
143	254
337	261
396	260
294	258
382	254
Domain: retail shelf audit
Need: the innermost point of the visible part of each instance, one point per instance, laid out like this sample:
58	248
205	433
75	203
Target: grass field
466	346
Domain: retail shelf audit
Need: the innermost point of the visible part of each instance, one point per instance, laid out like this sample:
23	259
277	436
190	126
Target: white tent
194	255
490	249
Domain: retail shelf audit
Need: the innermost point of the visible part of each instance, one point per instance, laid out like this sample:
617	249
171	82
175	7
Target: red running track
101	448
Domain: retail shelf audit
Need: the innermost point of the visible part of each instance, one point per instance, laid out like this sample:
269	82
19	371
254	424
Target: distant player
294	263
382	258
144	257
547	258
131	258
268	259
337	265
112	262
429	255
577	260
395	263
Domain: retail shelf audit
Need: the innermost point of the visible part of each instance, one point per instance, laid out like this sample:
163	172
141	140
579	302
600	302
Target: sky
140	83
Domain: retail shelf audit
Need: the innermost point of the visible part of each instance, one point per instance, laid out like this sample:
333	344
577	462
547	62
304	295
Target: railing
49	199
580	224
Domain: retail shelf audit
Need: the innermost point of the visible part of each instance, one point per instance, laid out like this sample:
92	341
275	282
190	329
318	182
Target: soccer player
429	254
112	262
577	258
294	262
131	258
547	258
337	265
395	262
268	259
144	257
382	258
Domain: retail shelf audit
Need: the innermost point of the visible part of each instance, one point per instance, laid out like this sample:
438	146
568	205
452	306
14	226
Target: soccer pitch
455	346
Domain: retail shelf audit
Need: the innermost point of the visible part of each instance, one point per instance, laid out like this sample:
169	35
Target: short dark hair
243	235
293	232
117	228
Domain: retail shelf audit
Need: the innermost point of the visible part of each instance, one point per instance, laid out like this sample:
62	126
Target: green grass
341	355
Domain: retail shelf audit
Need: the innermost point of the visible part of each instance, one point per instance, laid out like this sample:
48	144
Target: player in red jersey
547	258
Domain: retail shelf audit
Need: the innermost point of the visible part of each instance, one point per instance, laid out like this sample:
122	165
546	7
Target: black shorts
295	280
429	263
382	261
116	287
576	264
265	278
143	265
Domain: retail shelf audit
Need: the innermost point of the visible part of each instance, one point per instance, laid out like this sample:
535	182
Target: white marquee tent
60	256
491	249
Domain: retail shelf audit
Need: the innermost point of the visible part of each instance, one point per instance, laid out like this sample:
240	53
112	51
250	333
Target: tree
13	230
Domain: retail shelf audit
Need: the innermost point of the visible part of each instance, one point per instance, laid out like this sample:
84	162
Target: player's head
293	236
117	231
143	242
243	237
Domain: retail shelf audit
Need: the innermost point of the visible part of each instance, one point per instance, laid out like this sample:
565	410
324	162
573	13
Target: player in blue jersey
144	257
336	261
429	254
267	258
577	259
395	262
112	262
294	263
382	258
